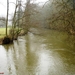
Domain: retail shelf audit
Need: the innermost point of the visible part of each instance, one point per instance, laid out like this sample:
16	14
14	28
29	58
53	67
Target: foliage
55	14
63	15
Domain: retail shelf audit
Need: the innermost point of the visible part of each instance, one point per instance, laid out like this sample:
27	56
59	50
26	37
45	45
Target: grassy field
3	31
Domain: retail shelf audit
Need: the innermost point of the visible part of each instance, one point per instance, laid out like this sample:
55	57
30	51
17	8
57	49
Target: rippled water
52	53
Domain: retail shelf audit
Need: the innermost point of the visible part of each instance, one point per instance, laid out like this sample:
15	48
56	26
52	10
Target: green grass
3	32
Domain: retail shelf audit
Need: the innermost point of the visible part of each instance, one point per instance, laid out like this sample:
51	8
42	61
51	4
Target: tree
62	16
16	18
7	15
28	13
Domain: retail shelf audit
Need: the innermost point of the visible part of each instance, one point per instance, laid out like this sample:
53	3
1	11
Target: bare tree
7	16
63	18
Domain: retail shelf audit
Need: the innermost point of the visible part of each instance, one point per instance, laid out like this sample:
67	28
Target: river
50	53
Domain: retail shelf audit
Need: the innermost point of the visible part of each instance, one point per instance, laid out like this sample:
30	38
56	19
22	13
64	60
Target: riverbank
9	39
3	34
1	39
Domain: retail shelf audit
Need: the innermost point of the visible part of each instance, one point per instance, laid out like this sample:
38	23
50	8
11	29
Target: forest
53	14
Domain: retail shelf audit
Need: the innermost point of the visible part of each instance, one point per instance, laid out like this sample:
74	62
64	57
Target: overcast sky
3	7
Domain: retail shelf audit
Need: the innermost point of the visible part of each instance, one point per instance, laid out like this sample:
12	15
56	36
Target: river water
50	53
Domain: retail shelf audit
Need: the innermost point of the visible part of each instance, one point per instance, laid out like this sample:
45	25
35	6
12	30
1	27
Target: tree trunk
7	16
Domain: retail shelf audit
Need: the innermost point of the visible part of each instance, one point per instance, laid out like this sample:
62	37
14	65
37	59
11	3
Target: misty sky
3	7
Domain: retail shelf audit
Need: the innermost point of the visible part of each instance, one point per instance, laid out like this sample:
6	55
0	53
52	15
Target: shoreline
1	40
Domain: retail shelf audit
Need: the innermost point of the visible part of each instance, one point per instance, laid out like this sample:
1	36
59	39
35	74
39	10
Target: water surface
52	53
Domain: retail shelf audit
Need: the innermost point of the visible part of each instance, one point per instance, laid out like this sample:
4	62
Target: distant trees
22	18
2	21
55	14
3	18
29	12
30	16
62	16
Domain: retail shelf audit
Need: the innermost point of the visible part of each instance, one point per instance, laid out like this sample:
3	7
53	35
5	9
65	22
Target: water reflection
38	55
49	63
3	61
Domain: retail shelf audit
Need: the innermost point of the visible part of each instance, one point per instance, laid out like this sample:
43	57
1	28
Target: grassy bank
3	32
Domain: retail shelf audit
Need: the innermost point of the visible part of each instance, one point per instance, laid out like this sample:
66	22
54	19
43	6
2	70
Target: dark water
52	53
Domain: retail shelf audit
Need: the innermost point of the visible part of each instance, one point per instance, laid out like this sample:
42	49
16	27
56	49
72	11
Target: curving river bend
52	53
